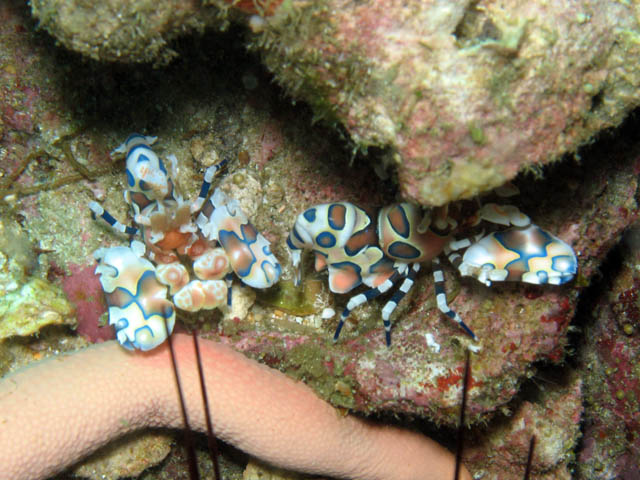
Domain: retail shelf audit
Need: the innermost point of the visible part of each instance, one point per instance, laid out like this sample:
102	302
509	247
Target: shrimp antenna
188	433
532	446
211	439
463	407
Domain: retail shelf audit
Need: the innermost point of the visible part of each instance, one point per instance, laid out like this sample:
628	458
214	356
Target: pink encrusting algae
83	289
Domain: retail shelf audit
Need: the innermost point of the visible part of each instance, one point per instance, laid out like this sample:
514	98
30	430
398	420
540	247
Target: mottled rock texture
464	94
610	360
551	418
119	30
461	95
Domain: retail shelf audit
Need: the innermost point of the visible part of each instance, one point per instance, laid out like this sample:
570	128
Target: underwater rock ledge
462	95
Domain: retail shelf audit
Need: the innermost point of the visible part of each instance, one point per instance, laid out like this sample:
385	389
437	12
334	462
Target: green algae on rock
128	456
260	471
35	305
17	258
304	300
27	302
122	30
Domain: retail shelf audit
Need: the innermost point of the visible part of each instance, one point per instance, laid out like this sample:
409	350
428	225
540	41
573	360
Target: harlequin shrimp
138	305
379	250
136	287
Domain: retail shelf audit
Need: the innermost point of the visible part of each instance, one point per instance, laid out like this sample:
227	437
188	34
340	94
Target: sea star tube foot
55	412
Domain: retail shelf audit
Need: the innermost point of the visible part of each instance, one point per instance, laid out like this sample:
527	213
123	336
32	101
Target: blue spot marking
121	323
349	266
310	215
320	253
543	277
130	180
127	344
270	280
405	229
332	224
291	245
144	185
383	265
326	240
352	252
403	250
146	327
250	229
140	332
266	250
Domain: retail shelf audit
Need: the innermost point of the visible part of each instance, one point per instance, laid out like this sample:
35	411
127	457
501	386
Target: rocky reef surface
461	95
61	115
610	354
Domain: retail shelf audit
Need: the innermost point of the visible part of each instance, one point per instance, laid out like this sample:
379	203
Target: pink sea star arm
55	412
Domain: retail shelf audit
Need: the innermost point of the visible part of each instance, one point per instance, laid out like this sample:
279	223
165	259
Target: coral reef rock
553	419
610	362
128	456
460	95
27	302
464	94
120	30
37	304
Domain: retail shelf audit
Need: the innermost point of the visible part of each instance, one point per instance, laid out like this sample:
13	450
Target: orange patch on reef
454	378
